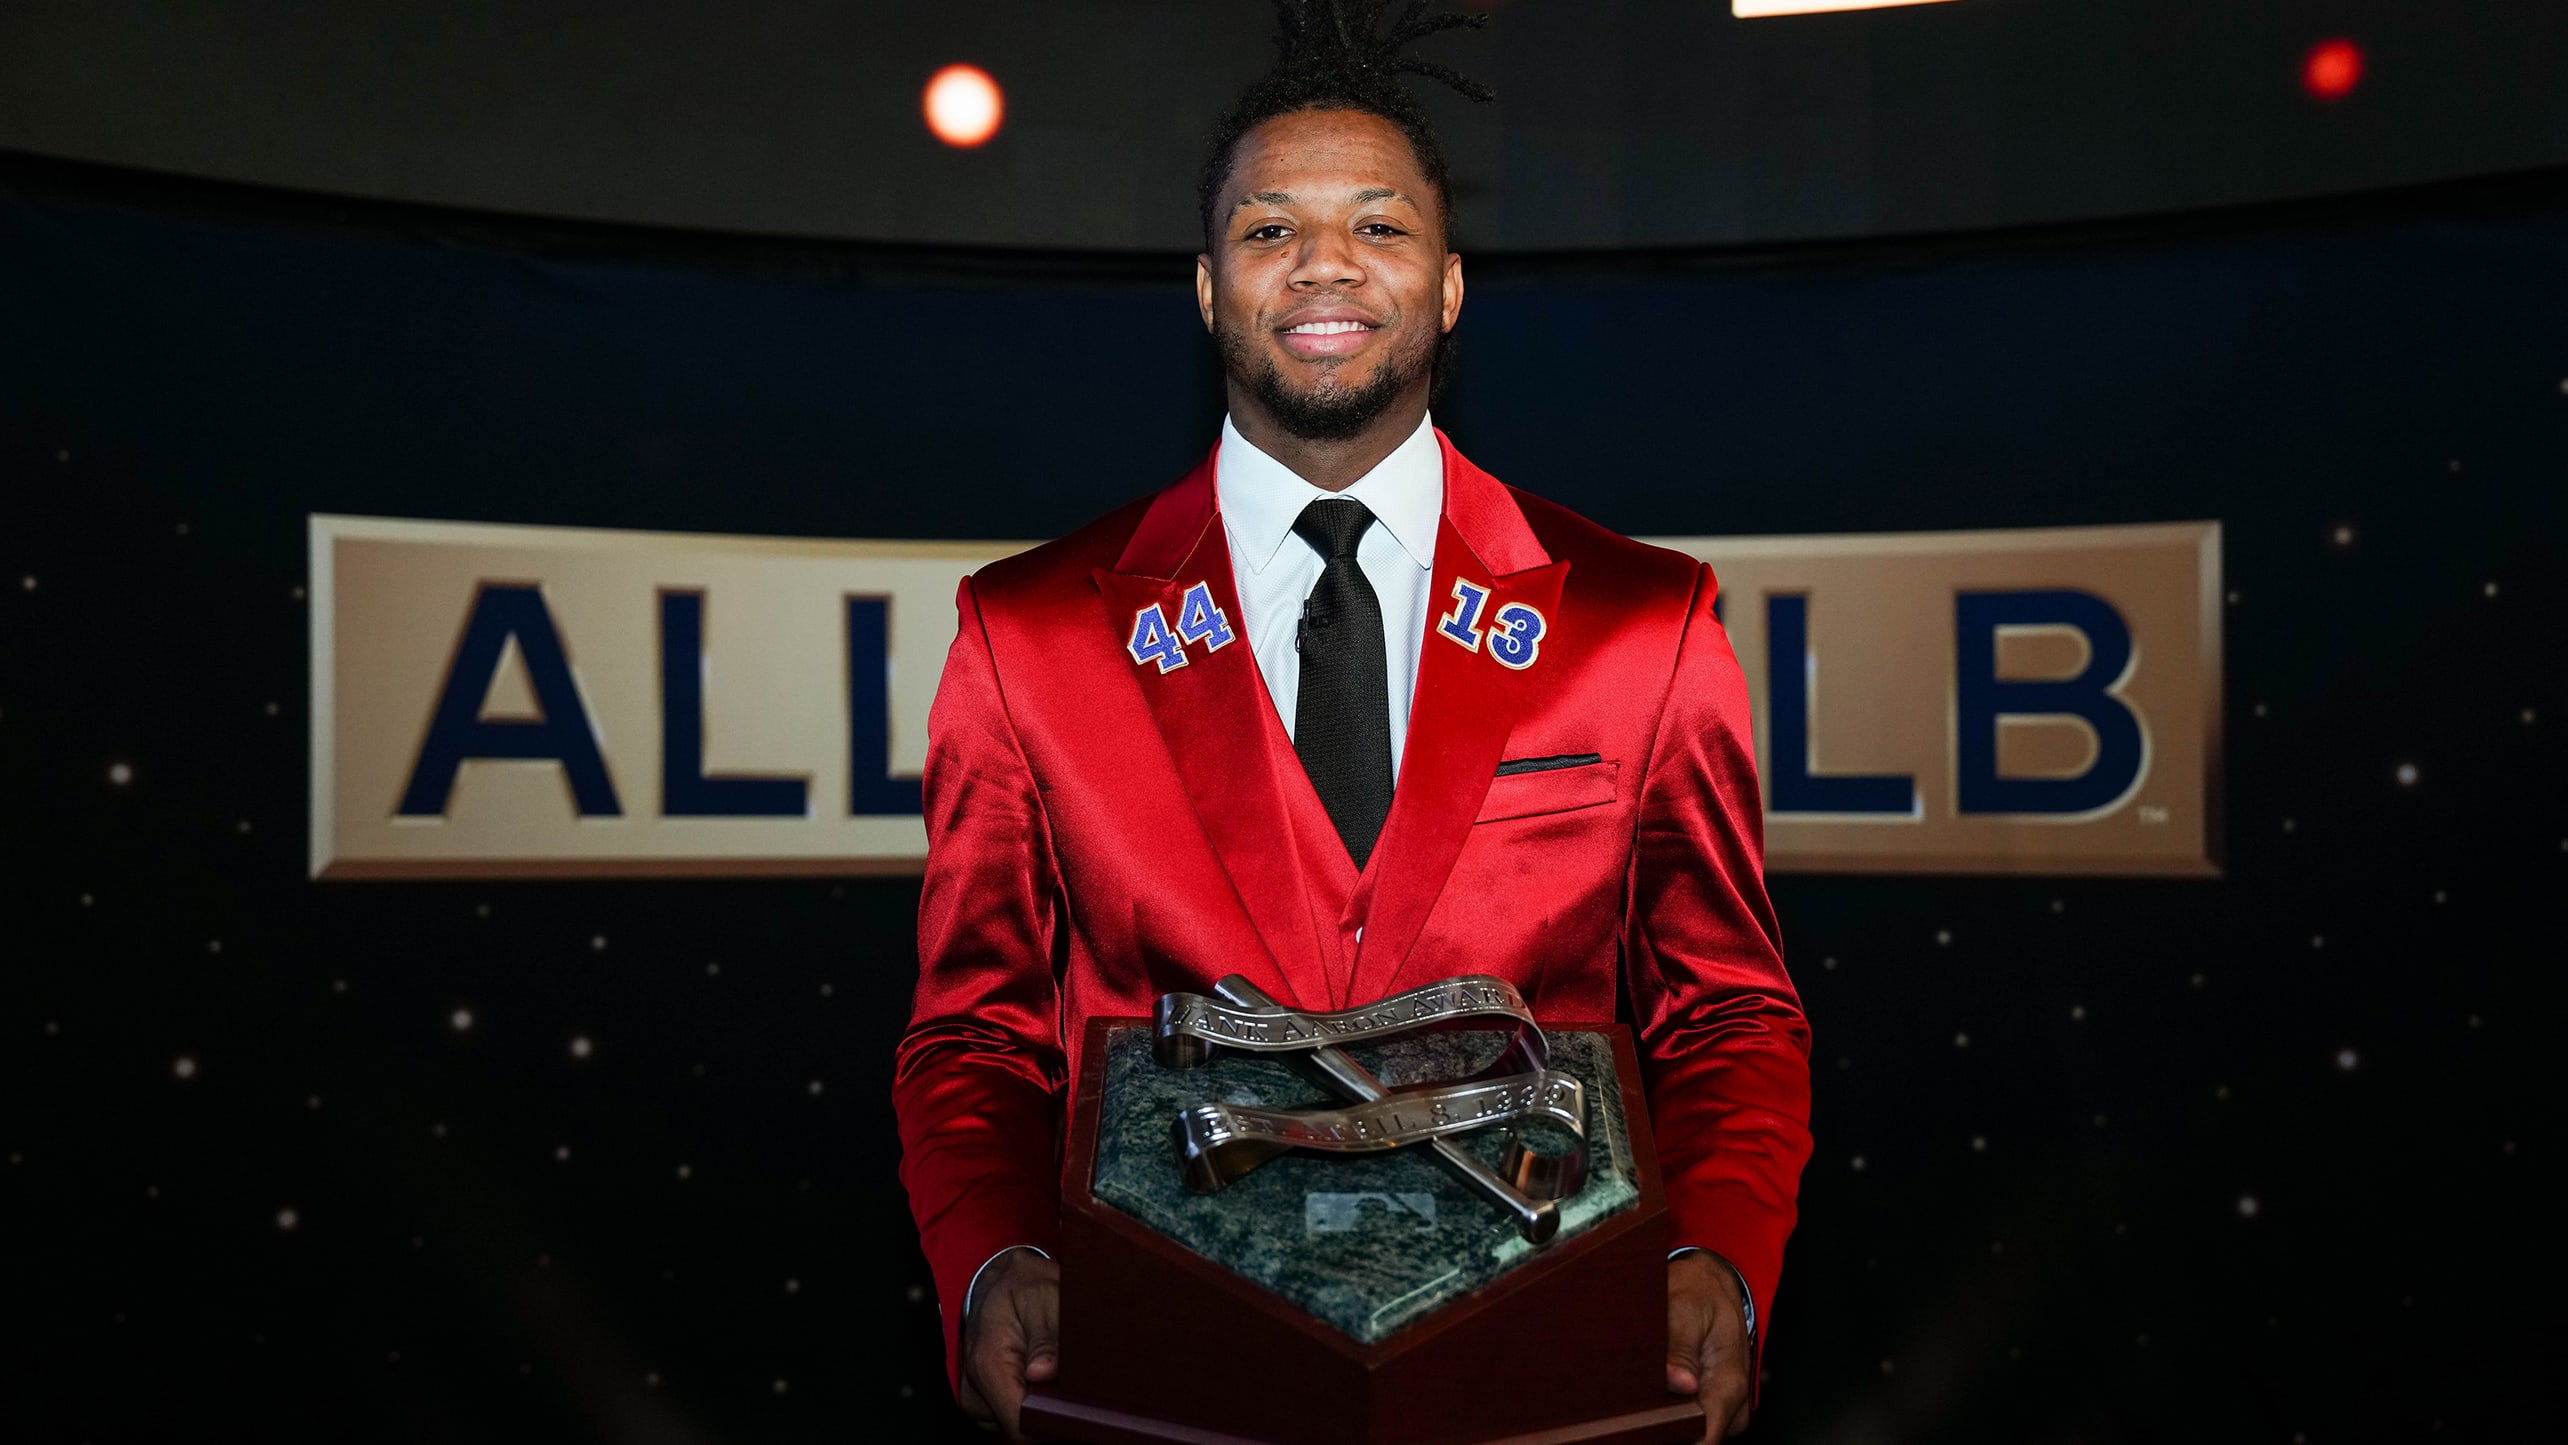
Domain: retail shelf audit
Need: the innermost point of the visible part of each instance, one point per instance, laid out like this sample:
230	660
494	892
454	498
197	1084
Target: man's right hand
1011	1337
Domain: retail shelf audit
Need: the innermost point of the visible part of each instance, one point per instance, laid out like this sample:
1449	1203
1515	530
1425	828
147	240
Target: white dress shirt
1275	569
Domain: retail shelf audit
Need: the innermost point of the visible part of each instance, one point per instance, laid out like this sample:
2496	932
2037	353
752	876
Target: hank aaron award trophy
1423	1220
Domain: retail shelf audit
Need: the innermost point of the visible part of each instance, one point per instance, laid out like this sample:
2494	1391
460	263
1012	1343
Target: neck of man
1335	464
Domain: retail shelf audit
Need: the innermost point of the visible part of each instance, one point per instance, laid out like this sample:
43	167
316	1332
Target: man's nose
1329	259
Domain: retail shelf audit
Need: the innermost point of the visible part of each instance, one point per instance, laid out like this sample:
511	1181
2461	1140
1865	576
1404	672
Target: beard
1330	411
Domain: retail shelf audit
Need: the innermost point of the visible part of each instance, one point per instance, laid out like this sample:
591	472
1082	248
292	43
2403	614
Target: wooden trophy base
1051	1417
1160	1344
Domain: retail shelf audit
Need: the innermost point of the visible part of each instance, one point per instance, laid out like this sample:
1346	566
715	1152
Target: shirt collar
1260	497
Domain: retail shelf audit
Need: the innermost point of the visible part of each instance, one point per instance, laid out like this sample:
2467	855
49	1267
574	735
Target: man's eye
1269	232
1381	228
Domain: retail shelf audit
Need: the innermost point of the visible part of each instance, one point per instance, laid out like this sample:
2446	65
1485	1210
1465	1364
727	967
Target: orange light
963	105
2332	69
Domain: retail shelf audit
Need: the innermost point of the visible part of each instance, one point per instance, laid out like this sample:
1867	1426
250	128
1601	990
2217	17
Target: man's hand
1707	1341
1011	1337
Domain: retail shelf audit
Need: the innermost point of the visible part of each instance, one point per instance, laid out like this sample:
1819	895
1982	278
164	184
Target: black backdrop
2247	1159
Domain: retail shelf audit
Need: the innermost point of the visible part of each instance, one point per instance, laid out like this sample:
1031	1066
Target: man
1341	713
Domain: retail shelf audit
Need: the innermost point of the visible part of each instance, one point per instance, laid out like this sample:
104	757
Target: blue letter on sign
685	792
1793	782
1981	698
871	788
457	730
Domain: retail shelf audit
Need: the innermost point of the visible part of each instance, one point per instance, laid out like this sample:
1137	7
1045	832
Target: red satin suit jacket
1103	829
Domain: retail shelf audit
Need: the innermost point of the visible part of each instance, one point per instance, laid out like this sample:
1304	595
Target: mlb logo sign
495	701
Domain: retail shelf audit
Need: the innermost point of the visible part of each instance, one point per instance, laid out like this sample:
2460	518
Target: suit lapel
1466	701
1212	712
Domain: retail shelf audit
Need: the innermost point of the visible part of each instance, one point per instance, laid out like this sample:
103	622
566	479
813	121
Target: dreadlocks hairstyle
1337	55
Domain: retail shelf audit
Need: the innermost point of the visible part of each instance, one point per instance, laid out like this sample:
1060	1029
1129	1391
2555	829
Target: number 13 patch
1514	633
1199	619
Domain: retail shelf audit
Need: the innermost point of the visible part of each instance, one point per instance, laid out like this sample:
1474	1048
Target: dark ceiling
1621	122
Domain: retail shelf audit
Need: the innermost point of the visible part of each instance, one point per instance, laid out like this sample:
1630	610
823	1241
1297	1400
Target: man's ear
1452	289
1204	289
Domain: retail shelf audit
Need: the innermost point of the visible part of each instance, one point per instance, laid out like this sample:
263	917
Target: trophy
1423	1220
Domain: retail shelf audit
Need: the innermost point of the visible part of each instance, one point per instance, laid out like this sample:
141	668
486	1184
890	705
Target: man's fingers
1039	1314
1687	1326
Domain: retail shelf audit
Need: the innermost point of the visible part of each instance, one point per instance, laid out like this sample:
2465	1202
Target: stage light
1754	9
2332	69
963	105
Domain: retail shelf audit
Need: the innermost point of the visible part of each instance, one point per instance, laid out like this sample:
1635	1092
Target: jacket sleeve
1723	1040
977	1079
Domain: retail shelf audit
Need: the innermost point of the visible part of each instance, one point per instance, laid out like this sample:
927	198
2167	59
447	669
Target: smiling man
1340	712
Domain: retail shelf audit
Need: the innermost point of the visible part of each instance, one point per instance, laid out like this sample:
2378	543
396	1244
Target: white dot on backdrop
2318	940
580	1047
2440	895
2407	775
296	594
2343	536
1943	938
815	1086
2346	1060
685	1173
827	989
1858	1163
2234	597
793	1286
1830	962
2488	589
2526	715
597	943
561	1152
27	583
1979	1143
462	1019
712	970
780	1387
2247	1206
120	773
2077	1011
183	1067
2290	826
86	900
2220	1092
213	945
2195	981
287	1219
1961	1041
2262	710
270	709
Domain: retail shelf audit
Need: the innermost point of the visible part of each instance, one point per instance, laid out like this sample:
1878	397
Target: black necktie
1342	710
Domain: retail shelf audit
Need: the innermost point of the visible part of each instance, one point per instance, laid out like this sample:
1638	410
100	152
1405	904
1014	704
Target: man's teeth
1327	328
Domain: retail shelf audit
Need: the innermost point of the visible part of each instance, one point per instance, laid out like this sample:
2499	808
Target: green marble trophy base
1352	1298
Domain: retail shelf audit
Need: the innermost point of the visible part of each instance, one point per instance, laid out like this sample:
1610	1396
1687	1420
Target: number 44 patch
1198	620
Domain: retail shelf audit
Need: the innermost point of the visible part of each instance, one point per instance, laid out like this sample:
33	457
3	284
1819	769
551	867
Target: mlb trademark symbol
2152	813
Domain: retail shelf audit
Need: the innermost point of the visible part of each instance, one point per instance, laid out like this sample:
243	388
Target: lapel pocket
1525	787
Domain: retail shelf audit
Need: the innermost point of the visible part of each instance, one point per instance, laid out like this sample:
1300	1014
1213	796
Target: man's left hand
1707	1341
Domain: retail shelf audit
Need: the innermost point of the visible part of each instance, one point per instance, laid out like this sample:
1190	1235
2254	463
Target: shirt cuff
972	1291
